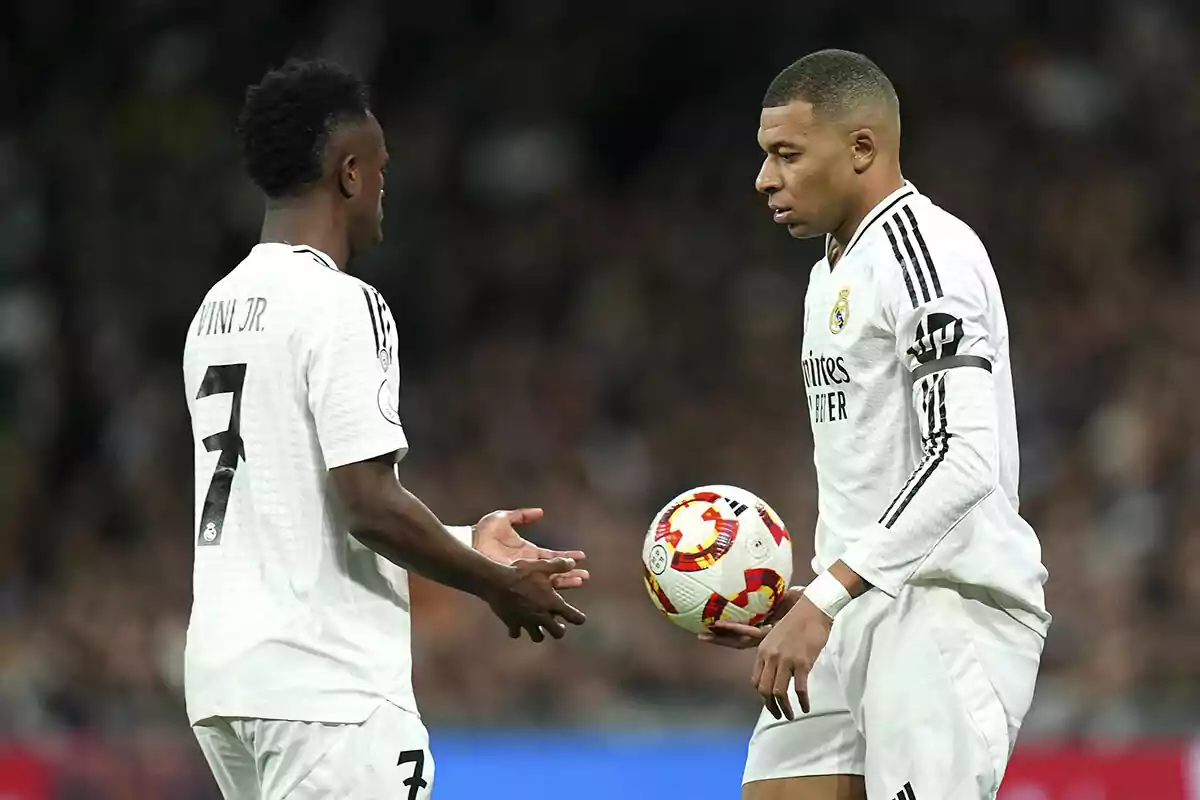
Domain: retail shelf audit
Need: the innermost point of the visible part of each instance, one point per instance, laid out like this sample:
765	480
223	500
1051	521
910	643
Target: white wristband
464	533
828	594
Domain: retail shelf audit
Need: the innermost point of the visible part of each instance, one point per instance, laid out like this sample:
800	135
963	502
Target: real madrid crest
841	311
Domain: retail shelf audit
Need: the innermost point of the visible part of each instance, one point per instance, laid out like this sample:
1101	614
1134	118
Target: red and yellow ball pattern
716	552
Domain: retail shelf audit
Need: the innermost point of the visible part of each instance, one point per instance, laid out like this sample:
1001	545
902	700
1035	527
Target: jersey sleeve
354	378
942	315
944	339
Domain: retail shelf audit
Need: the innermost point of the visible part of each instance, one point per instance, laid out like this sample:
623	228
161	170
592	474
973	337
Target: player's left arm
946	343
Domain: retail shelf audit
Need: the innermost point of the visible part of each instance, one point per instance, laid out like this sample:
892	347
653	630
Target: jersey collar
302	249
906	191
323	259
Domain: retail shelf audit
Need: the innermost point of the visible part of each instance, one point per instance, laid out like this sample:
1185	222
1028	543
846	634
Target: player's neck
872	196
304	223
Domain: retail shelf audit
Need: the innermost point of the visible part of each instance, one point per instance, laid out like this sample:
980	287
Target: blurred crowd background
595	313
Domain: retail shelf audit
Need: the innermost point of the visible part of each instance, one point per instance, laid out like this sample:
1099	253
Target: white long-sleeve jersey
906	368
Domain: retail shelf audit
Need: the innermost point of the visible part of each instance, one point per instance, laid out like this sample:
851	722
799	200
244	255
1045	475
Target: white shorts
385	756
922	694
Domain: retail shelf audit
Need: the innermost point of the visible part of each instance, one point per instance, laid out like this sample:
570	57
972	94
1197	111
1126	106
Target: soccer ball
716	552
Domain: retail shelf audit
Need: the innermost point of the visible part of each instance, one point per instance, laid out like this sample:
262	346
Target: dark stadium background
595	313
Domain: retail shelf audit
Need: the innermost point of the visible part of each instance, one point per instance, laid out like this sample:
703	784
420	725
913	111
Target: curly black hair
834	81
288	117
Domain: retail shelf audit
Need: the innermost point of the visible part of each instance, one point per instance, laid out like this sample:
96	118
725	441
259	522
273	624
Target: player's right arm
394	522
352	385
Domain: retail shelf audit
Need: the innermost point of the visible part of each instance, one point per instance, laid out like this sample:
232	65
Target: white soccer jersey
906	368
290	370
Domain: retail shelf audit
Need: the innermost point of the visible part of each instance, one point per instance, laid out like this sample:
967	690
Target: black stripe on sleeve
374	325
912	293
912	218
908	792
385	327
951	362
931	406
939	444
925	403
912	256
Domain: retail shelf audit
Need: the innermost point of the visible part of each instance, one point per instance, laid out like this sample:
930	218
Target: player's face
807	174
366	204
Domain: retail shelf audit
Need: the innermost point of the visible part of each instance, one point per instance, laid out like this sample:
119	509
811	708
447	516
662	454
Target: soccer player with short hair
913	653
298	659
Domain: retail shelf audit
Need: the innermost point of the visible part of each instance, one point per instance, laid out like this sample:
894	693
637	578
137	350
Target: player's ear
349	179
862	149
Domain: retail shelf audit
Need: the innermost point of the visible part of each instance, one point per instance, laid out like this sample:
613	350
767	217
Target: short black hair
834	81
287	120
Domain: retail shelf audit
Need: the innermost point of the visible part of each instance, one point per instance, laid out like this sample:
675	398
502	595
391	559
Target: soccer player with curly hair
298	659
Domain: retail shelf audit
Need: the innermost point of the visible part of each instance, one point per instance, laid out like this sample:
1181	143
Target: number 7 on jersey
222	379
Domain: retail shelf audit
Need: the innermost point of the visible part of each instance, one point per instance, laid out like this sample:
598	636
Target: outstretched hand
496	537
